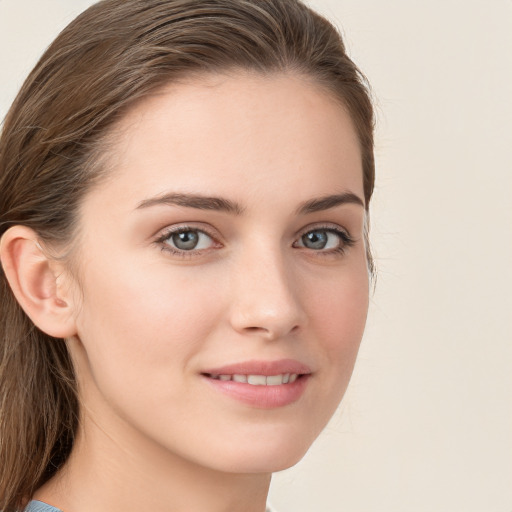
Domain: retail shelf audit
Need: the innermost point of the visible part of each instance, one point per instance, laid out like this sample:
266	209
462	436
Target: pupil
186	240
315	240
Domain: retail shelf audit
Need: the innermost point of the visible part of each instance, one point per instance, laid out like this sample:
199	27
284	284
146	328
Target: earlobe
33	278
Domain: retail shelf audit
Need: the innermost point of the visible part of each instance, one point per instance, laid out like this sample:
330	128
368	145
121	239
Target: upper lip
266	368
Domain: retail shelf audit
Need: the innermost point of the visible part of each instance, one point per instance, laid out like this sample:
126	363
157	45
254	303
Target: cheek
337	314
132	324
340	307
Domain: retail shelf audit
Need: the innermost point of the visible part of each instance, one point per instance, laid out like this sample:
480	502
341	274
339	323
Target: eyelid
327	226
346	239
166	233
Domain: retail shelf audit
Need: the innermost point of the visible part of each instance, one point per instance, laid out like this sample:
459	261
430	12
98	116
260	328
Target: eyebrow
194	201
327	202
201	202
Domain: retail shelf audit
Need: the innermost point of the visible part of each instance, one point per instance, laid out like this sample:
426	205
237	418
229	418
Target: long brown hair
50	155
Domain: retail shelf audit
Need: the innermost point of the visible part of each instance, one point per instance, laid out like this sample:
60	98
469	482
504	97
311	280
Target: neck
123	474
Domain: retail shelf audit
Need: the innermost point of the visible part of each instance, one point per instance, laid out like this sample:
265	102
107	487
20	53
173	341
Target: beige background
427	422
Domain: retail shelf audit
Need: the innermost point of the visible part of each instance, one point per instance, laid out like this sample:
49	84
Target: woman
185	192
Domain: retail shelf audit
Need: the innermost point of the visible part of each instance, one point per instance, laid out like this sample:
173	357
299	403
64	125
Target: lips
266	368
261	384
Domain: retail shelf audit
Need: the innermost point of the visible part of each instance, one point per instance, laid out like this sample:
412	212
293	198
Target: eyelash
346	241
167	234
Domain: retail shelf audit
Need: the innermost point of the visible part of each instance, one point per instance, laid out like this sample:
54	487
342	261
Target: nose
266	297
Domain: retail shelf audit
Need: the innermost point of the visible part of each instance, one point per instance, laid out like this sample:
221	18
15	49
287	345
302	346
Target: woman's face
225	251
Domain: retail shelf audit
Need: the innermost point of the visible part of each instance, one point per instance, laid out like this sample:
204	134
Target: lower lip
262	397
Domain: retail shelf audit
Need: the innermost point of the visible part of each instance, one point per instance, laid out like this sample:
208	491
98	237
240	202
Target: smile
261	384
259	380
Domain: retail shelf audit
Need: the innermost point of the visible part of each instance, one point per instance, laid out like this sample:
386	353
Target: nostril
262	331
268	332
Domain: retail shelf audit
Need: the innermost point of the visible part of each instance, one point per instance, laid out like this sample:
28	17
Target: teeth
274	380
259	380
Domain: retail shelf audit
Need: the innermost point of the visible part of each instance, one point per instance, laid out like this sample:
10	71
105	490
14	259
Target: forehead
239	134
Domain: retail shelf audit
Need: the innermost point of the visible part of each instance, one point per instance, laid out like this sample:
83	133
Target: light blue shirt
39	506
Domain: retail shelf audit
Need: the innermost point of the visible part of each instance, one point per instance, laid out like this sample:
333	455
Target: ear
34	279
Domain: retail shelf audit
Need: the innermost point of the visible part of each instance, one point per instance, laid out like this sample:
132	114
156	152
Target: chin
269	462
266	453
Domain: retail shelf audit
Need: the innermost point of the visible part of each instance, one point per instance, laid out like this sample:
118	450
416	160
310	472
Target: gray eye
315	239
183	239
323	240
190	240
186	240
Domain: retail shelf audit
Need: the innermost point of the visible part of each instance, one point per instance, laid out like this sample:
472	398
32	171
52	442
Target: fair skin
266	281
